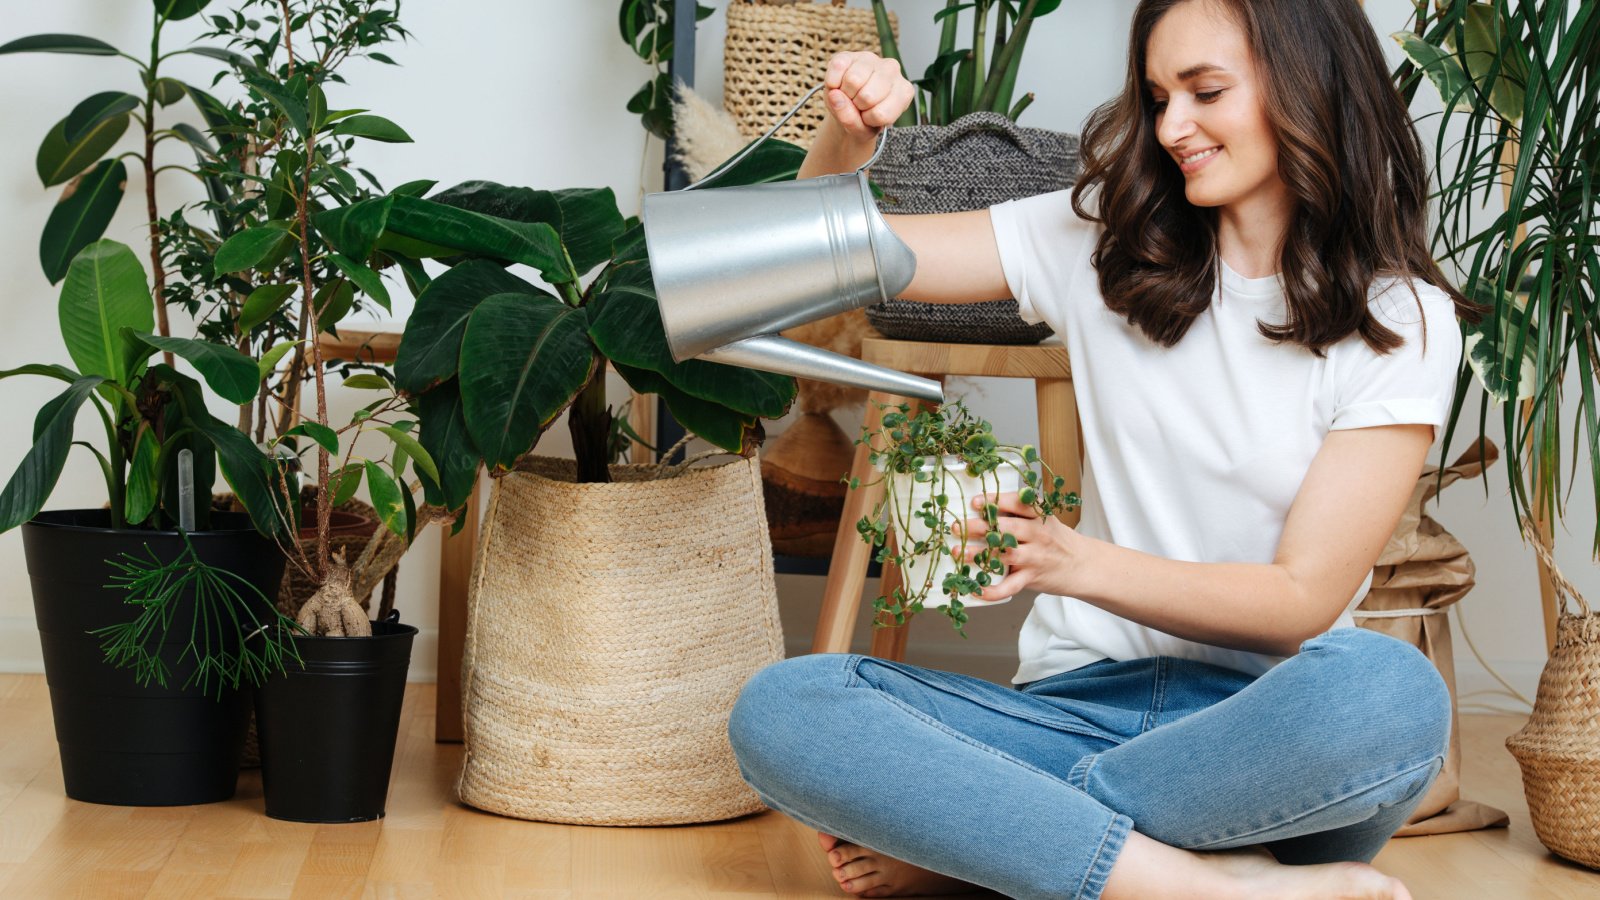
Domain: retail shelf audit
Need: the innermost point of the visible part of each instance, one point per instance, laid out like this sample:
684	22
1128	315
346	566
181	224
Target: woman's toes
854	871
827	841
865	885
844	853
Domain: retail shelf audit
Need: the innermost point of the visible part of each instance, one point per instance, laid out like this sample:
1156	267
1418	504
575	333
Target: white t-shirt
1195	452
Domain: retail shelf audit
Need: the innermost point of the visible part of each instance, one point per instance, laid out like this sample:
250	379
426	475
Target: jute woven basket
775	53
610	628
1559	748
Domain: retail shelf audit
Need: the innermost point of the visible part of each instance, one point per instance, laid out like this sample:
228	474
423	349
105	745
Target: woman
1262	350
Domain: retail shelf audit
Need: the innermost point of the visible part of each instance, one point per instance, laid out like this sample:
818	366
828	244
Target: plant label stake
736	265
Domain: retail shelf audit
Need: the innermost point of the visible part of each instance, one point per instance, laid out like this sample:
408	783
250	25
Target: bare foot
1253	872
868	873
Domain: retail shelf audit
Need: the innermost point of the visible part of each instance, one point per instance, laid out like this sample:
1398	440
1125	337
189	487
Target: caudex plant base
176	739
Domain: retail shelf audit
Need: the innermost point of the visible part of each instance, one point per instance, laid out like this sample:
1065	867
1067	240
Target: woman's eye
1208	96
1158	106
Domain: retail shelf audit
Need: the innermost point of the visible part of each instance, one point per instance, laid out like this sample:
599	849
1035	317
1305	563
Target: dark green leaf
1441	67
59	160
222	54
418	188
30	487
322	434
211	109
230	373
523	360
332	303
248	248
144	478
586	220
366	381
344	481
263	303
431	346
175	10
93	111
364	278
59	43
375	128
627	329
353	230
269	360
444	435
292	107
530	243
81	217
729	429
168	91
771	161
385	496
105	291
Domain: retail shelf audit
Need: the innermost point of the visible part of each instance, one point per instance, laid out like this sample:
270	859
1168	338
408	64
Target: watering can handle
722	169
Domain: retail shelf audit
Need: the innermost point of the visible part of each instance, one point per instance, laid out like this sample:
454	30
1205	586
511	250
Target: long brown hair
1346	149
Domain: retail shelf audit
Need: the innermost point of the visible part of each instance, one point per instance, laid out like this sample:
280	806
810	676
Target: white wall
534	94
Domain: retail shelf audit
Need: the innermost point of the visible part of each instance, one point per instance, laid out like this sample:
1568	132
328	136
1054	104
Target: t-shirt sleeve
1044	246
1411	385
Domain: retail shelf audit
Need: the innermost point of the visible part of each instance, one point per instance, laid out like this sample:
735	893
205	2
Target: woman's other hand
1047	554
866	92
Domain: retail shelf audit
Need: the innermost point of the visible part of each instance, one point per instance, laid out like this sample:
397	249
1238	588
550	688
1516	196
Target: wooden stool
1059	447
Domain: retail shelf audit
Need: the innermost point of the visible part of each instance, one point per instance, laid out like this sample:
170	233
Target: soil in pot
122	743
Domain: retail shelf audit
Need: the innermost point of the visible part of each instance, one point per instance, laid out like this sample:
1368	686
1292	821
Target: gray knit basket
975	162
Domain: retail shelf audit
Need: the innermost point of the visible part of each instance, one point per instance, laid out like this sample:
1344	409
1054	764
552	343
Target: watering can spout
771	353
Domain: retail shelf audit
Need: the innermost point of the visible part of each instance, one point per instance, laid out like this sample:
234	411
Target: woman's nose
1174	125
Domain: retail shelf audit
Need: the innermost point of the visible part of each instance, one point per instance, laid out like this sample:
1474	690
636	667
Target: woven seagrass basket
610	628
975	162
775	53
1559	748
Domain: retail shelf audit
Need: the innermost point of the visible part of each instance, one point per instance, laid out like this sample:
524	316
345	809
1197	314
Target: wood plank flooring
431	846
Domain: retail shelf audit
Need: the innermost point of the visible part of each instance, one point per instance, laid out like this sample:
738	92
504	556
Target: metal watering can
733	266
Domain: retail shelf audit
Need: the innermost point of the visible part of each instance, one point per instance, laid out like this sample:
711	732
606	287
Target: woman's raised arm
957	260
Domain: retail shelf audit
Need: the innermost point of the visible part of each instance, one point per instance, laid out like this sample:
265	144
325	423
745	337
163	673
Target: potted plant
154	581
935	463
959	148
1520	80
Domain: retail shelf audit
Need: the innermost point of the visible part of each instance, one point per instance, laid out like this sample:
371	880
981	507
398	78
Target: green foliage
911	449
224	625
1520	81
958	81
647	28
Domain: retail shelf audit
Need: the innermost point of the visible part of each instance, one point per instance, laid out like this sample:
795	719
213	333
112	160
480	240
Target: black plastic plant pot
123	743
328	730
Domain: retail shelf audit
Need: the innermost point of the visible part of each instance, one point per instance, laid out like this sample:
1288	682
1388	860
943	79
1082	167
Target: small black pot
123	744
328	730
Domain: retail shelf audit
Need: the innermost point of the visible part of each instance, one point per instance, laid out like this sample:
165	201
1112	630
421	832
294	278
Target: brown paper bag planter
1421	572
610	628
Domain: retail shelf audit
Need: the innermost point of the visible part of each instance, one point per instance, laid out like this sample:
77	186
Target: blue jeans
1031	791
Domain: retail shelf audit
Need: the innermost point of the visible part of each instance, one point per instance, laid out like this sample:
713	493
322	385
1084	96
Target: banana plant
1520	82
150	412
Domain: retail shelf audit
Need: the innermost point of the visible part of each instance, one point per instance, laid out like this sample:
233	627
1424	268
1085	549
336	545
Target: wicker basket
775	53
1559	748
610	628
978	160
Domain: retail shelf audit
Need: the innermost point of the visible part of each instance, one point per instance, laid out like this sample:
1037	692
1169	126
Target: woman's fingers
865	91
1008	503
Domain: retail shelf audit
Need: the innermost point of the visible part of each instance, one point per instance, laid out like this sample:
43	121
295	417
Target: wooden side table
1060	447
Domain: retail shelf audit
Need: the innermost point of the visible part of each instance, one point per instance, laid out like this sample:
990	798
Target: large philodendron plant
492	358
1520	80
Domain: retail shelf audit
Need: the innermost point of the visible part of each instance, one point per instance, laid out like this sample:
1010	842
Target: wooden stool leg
1058	436
847	571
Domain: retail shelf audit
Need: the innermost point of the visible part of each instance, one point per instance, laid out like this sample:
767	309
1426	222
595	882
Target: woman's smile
1191	163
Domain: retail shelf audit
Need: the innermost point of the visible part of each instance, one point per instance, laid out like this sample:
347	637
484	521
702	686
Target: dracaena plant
1520	81
647	27
921	457
975	78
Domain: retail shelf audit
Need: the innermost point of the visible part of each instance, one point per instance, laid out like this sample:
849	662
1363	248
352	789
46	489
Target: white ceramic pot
951	479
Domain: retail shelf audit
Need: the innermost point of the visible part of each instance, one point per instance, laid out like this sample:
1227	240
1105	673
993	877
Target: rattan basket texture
610	628
774	53
1559	748
975	162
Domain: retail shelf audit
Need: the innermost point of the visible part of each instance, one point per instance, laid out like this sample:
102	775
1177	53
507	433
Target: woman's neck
1250	233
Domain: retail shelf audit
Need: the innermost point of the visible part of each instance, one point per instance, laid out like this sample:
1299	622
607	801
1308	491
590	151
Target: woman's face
1209	108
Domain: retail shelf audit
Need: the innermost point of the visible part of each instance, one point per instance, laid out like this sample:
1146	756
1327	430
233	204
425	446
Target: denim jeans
1031	791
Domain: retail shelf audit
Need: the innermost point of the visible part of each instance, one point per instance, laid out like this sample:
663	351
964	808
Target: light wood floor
430	846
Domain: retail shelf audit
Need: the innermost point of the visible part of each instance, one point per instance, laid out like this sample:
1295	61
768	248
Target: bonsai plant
959	148
156	548
935	463
1520	80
